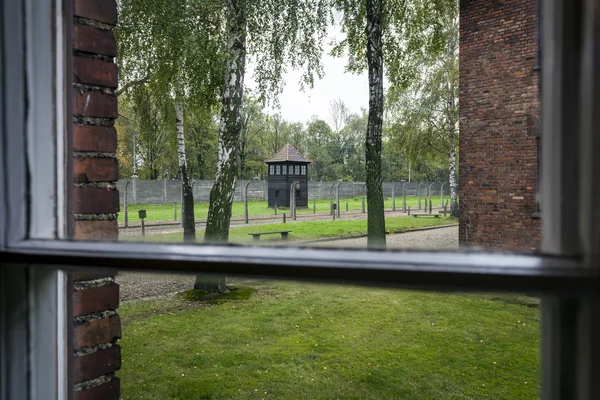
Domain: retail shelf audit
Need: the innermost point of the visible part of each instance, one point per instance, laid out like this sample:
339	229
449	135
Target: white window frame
271	169
33	288
277	169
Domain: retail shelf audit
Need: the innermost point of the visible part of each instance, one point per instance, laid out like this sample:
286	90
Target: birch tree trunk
187	197
221	195
452	158
375	216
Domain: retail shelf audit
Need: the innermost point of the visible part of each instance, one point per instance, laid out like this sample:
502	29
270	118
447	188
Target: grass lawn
298	341
164	212
309	230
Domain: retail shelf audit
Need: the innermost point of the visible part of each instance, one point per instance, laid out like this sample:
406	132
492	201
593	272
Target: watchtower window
271	170
278	170
303	170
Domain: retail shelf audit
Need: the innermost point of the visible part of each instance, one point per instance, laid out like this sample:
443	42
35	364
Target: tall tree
277	33
373	143
424	116
174	47
390	35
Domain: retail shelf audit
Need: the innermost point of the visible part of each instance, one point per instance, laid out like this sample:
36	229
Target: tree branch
132	83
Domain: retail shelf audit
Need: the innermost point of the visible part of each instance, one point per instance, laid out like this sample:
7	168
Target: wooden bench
256	235
425	215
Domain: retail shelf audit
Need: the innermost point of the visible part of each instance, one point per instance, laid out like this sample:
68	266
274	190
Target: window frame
567	274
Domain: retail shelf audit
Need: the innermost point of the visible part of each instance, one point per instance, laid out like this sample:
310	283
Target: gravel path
445	238
136	285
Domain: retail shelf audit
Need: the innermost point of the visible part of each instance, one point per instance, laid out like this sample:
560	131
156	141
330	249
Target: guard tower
285	167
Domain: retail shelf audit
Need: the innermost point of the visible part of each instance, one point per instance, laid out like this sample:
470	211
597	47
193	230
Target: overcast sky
298	106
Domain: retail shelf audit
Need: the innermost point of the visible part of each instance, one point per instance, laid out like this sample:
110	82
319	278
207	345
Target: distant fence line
169	191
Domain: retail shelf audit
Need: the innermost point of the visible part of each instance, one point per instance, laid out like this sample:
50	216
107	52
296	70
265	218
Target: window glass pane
430	148
281	340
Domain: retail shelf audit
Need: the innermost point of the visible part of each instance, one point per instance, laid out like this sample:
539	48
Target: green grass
164	212
298	341
310	230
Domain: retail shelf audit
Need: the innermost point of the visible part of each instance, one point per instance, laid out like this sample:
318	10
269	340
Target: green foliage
423	118
411	31
294	340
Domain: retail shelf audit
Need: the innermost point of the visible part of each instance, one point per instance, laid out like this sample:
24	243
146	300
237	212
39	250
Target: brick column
499	108
95	197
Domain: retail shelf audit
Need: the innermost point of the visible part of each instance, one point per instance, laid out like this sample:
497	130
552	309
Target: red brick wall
498	114
95	199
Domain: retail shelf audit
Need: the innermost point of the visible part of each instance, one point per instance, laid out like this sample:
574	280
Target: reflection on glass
283	340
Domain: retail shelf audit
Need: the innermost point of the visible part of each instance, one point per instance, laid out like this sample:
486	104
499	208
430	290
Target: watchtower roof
287	153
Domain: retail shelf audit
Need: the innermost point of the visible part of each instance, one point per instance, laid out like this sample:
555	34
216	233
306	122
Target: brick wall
95	200
498	112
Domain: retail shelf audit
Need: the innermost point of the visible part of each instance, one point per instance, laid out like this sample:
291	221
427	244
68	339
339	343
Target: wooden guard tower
285	167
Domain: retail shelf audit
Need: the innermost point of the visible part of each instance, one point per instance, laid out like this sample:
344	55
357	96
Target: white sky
298	106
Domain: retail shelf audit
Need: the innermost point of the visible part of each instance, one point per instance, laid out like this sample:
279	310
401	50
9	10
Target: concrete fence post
175	211
293	199
331	211
134	180
314	206
246	202
337	199
164	191
419	195
404	196
442	195
394	196
125	207
363	197
429	192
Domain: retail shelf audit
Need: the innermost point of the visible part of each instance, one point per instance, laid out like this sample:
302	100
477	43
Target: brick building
499	107
95	202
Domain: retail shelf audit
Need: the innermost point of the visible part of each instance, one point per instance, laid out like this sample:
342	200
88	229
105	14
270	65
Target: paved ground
445	238
135	285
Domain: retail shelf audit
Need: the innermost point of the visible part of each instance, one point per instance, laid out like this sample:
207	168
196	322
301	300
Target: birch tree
386	33
174	48
424	116
277	34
